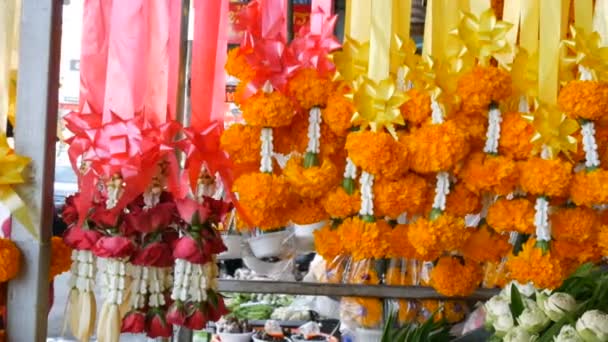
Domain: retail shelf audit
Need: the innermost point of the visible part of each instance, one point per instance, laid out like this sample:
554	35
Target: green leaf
310	160
517	304
349	185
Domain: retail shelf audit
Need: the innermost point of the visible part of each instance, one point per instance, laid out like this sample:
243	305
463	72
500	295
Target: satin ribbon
9	21
402	18
588	52
600	20
317	22
360	20
352	61
484	36
380	40
553	131
175	15
551	22
446	17
477	7
583	15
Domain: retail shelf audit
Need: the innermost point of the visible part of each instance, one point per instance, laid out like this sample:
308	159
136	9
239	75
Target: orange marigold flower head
543	269
338	203
61	257
461	201
327	243
10	260
268	110
417	109
431	238
584	99
377	153
496	174
366	312
294	138
481	86
308	89
338	113
402	272
242	169
589	187
545	177
307	211
242	143
453	276
351	233
434	148
577	252
400	246
577	224
237	66
515	136
394	197
484	245
474	126
602	240
312	182
512	215
369	239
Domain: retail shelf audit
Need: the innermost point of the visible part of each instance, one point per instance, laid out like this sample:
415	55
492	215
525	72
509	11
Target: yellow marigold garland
589	187
10	260
242	143
434	148
311	182
430	238
237	66
338	203
515	136
377	153
576	224
453	276
511	215
488	173
484	245
61	257
327	243
461	201
533	265
394	197
365	240
308	89
268	110
307	211
417	109
481	86
545	177
584	99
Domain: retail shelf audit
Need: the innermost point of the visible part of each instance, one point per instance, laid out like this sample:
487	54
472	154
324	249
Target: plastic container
268	245
233	243
305	240
232	337
368	335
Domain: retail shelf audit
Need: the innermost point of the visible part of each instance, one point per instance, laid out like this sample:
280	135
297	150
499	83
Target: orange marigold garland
481	86
242	143
575	224
338	203
338	113
430	238
394	197
545	177
365	240
584	99
308	89
496	174
327	243
268	110
534	265
461	201
311	182
377	153
602	240
589	187
237	66
307	211
10	260
474	126
400	246
453	276
484	245
515	136
575	253
417	108
511	215
61	257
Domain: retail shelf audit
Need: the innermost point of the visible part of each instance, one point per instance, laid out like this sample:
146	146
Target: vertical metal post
37	90
290	33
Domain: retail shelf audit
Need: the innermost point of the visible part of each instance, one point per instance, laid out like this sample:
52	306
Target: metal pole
37	89
290	33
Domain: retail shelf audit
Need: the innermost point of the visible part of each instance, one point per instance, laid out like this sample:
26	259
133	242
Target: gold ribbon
402	17
529	23
484	36
351	62
9	39
551	22
583	15
600	20
524	74
553	130
477	7
380	40
588	52
446	16
378	105
360	20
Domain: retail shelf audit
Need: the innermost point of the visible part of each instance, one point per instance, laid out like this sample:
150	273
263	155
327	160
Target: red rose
157	326
134	322
113	247
190	210
105	218
81	239
157	254
70	212
213	241
197	319
218	208
176	314
216	306
188	249
151	220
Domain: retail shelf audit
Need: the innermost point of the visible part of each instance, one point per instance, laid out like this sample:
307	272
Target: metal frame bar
35	134
343	290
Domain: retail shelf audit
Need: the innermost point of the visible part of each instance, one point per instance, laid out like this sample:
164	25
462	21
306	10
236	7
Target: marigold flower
308	89
268	110
242	143
61	257
312	182
367	312
576	252
461	201
484	245
400	246
602	240
545	177
434	148
307	211
589	187
584	99
365	240
487	173
327	243
575	224
430	238
453	276
377	153
402	272
294	138
515	136
237	66
417	108
543	269
363	272
338	203
474	126
10	260
338	113
511	215
394	197
481	86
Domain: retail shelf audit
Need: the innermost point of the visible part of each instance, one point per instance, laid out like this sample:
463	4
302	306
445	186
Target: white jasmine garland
156	286
350	171
493	132
113	280
541	219
568	334
266	150
314	130
442	189
590	145
584	73
523	106
367	194
139	285
593	326
82	271
437	113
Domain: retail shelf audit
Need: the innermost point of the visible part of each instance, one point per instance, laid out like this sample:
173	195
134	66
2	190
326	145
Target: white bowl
233	243
267	245
305	240
232	337
368	335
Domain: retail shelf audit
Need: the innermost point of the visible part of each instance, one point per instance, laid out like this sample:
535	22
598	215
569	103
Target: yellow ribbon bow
351	61
524	74
553	131
588	53
378	105
484	37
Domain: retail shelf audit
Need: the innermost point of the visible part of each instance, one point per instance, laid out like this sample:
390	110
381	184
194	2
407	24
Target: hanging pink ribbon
175	14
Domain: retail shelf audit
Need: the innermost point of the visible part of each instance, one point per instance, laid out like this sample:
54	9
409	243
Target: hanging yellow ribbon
9	39
380	40
401	18
352	61
427	39
583	15
551	22
600	20
529	23
477	7
524	74
360	20
553	131
446	17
